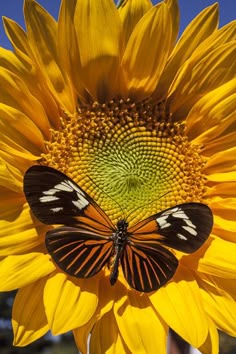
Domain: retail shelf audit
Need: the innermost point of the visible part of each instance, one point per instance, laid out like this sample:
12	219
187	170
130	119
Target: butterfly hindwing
146	264
147	267
77	251
55	199
184	227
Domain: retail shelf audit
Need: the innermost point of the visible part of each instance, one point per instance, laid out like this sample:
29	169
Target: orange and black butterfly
88	240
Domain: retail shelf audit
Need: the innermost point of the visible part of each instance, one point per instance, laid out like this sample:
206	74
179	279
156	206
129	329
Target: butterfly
88	240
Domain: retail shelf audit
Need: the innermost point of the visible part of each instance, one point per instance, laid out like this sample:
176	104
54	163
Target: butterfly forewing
184	227
55	199
147	267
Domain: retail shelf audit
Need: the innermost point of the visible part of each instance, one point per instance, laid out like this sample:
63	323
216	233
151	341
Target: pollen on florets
128	155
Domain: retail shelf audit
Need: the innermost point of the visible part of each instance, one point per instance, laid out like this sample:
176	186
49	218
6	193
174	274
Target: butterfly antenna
142	206
120	207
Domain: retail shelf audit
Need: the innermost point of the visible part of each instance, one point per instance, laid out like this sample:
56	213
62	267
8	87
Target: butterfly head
122	225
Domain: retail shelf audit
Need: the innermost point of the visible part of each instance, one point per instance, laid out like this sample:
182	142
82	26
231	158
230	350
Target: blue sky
189	9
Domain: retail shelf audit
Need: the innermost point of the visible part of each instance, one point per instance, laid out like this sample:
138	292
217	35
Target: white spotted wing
55	199
184	227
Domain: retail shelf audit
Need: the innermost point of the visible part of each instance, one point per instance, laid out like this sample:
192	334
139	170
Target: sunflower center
128	156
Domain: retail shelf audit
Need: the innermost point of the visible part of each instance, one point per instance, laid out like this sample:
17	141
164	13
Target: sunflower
108	92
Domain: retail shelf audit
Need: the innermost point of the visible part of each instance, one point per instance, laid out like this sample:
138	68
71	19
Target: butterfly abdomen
115	269
120	238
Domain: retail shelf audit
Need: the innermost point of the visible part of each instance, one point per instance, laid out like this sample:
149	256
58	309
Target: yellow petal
17	230
69	303
224	228
173	7
106	338
42	36
82	335
15	150
67	46
26	71
211	345
212	114
16	157
146	53
221	36
12	202
17	95
66	32
105	304
224	142
222	190
223	161
10	179
28	315
227	285
179	303
149	332
197	31
199	75
224	207
130	13
220	306
20	270
219	259
98	30
21	129
18	38
222	177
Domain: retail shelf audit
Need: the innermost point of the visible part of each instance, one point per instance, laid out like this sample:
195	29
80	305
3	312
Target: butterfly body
120	239
88	240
